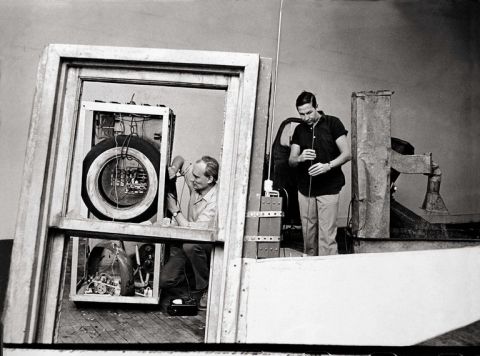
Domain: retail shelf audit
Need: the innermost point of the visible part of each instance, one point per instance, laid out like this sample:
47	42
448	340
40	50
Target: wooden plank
126	108
234	243
411	164
131	231
212	326
156	55
164	328
214	331
76	207
110	324
107	298
52	261
254	198
95	327
450	218
53	282
49	270
157	268
100	298
227	166
156	76
217	272
31	208
74	266
176	68
172	334
83	143
138	324
242	326
75	202
258	155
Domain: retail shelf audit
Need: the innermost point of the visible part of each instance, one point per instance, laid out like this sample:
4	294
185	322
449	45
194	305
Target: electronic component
182	306
121	171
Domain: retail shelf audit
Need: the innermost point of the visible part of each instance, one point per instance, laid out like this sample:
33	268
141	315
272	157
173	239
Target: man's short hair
211	167
306	97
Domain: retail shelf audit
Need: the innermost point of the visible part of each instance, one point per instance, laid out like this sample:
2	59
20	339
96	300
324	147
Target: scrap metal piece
264	214
433	202
270	238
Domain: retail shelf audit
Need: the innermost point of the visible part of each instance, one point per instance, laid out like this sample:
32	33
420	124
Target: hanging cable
116	174
274	95
310	185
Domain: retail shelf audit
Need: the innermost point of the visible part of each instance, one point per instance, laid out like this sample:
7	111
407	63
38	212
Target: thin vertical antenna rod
274	94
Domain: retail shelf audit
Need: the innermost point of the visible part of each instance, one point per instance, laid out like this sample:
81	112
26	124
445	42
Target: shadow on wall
5	256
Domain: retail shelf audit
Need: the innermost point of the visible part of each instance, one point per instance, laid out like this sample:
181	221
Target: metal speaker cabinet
120	176
123	147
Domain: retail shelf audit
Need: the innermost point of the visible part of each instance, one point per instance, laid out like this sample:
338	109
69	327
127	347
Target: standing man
319	149
201	178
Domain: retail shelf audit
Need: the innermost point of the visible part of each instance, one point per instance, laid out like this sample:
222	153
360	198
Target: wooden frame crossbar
132	231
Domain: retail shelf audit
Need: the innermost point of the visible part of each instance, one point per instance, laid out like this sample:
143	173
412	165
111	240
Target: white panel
390	299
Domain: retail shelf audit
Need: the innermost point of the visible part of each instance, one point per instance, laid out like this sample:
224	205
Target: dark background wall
5	256
427	52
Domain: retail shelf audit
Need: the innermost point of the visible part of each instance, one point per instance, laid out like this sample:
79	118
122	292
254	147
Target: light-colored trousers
319	224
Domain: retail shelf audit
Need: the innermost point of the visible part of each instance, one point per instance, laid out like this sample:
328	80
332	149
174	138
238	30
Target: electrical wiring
179	200
115	177
310	184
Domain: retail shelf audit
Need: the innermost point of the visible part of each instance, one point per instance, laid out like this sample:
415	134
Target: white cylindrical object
268	185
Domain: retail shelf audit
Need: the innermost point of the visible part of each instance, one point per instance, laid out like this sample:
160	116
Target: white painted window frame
44	223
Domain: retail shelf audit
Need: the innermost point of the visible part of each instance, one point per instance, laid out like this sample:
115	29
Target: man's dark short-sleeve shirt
322	137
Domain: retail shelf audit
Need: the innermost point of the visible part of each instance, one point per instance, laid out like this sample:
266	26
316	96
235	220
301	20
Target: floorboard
103	323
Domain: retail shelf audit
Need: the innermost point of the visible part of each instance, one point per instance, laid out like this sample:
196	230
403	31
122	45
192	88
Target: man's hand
172	204
307	155
172	172
319	168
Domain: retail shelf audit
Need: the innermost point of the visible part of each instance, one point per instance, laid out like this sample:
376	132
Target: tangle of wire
119	158
178	200
104	131
350	220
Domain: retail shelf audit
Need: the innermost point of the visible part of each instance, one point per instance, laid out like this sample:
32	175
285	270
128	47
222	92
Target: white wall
425	51
383	299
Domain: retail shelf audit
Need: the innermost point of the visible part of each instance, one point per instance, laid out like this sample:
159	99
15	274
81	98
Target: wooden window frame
44	220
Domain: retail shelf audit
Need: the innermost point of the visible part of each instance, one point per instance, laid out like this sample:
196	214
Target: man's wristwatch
176	213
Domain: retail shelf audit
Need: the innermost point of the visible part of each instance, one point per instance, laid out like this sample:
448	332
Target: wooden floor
120	323
110	324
